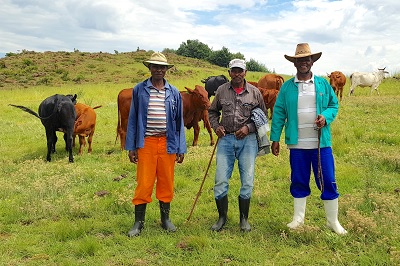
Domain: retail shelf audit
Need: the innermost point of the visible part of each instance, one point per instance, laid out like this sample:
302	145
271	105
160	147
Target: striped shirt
156	115
306	113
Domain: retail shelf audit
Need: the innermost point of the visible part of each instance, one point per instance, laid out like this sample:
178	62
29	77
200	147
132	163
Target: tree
168	50
194	49
255	66
221	57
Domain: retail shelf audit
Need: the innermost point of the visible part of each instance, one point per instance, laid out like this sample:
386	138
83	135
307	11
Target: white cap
237	63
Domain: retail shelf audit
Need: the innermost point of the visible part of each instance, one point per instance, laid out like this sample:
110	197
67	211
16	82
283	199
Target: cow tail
351	80
26	109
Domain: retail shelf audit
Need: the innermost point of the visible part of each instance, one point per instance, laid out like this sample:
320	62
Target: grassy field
60	213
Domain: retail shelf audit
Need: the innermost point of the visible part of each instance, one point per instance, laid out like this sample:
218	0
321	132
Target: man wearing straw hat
306	106
155	140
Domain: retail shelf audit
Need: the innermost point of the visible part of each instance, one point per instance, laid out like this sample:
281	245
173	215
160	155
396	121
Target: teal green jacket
285	111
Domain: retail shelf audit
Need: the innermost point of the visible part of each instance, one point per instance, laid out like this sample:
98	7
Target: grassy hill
70	68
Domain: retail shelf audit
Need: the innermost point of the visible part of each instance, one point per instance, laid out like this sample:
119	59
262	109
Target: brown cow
270	81
254	83
85	124
195	108
124	105
269	96
337	80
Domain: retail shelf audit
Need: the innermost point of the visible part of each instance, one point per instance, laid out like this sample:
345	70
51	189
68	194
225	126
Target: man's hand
220	131
320	121
242	132
275	148
133	156
180	157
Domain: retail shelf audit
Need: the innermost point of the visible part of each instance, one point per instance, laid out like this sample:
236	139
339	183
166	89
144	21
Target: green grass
50	213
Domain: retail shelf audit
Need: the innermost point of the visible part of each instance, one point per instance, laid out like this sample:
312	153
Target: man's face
237	75
158	71
303	64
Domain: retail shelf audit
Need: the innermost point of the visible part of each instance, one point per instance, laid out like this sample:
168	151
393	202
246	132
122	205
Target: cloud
353	35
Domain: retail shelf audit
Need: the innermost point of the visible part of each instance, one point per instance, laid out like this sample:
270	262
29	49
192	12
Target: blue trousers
229	150
301	162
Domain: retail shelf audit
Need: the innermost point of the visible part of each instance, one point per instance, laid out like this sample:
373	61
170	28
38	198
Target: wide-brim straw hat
303	50
157	58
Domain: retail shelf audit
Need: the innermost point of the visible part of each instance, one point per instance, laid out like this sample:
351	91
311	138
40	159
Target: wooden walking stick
202	183
320	176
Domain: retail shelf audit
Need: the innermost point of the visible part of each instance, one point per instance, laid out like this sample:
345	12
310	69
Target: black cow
57	113
212	83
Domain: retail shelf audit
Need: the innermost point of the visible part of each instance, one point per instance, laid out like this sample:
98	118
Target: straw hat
157	59
303	50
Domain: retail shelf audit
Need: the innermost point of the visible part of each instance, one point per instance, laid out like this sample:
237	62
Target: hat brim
314	57
148	62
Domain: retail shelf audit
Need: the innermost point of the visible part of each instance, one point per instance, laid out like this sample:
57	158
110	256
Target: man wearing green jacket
305	107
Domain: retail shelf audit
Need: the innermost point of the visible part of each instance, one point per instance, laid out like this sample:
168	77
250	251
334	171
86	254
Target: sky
353	35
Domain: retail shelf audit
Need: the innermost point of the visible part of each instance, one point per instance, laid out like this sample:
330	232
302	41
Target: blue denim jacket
285	111
176	138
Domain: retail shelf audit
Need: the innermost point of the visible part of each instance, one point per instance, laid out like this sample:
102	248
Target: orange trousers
154	164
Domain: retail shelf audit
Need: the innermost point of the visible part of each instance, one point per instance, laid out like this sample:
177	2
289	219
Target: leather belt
159	135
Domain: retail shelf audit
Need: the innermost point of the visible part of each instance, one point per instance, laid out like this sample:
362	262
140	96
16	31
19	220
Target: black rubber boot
140	211
222	206
244	205
165	221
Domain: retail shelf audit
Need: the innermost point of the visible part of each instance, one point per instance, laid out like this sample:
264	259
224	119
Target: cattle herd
62	112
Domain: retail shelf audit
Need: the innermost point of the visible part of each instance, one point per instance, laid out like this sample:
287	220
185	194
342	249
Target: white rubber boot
331	210
299	213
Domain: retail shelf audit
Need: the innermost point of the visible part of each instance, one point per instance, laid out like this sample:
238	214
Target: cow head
72	97
213	82
200	97
383	70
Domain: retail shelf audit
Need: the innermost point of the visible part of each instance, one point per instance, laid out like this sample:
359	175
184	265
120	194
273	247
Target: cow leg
82	143
68	143
51	143
374	88
272	112
208	126
196	129
351	92
54	141
90	138
123	139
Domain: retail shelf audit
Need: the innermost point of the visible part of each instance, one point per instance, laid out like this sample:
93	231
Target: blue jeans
245	152
301	162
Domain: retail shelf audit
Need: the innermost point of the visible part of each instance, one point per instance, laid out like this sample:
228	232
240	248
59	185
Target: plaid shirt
232	110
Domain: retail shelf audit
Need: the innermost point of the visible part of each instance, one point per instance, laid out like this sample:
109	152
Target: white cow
367	80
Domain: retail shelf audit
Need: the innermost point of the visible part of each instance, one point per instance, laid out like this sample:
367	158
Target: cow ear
189	90
74	98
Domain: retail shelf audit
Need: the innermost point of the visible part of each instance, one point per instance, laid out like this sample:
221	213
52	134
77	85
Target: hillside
31	68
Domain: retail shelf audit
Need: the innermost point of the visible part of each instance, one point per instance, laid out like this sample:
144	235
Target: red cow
124	105
195	108
254	83
85	125
271	81
337	80
269	96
